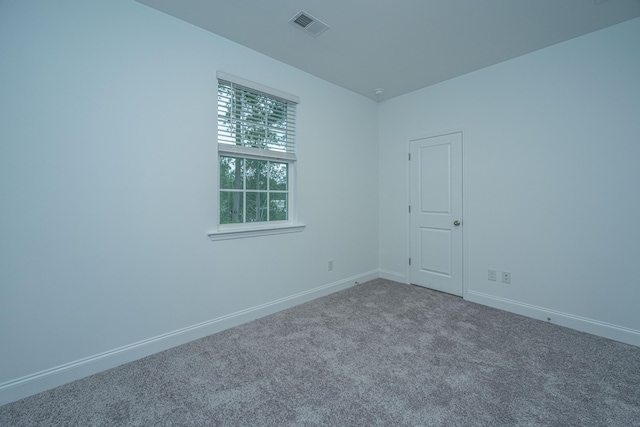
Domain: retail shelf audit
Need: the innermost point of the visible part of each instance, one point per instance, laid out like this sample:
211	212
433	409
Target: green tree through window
253	190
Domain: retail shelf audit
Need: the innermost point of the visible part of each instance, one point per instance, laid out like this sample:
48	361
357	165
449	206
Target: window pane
256	206
256	174
278	176
231	173
277	206
231	207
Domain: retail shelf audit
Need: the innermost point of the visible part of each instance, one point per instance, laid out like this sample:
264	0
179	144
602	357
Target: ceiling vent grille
308	23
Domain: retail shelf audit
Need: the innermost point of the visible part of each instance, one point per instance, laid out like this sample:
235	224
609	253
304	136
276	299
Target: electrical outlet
330	265
506	277
492	275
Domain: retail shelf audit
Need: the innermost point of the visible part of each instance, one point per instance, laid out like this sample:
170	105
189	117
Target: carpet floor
377	354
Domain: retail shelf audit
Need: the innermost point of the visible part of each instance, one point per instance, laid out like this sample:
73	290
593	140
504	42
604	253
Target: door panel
436	199
435	179
435	248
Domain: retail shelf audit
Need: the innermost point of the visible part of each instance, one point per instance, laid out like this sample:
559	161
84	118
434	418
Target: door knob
456	223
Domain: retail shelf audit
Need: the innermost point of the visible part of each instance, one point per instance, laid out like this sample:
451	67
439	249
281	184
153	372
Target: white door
436	212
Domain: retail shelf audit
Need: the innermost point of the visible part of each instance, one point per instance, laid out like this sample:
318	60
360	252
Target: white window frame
253	229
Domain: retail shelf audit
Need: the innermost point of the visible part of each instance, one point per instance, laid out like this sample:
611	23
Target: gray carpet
377	354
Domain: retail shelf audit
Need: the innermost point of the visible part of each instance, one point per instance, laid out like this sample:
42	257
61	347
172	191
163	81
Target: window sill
241	233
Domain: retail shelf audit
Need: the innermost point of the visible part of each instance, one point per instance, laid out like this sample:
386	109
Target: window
256	157
253	190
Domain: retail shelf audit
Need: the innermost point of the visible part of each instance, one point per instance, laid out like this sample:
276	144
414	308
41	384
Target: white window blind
254	120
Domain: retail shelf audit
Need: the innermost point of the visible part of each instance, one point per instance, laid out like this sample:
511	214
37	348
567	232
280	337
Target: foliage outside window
256	146
253	190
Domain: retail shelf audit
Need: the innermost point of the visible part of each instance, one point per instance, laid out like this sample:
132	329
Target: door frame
465	204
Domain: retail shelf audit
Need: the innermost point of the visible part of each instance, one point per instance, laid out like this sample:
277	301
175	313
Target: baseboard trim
583	324
28	385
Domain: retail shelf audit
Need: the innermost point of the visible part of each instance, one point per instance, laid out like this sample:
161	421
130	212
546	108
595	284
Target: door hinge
409	156
409	261
409	208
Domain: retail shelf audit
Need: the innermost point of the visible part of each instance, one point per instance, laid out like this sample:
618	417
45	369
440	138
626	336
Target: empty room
297	213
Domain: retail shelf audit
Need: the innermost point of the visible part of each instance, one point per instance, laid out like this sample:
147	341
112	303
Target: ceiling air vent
308	23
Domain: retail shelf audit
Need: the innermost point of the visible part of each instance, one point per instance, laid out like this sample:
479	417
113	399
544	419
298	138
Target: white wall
552	179
107	159
107	165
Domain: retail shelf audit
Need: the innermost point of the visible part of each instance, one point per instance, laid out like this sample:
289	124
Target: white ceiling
399	45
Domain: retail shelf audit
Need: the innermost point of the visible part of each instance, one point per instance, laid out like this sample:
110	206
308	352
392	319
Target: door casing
465	212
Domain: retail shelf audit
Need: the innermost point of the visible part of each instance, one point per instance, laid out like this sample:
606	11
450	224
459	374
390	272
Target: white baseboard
392	275
28	385
583	324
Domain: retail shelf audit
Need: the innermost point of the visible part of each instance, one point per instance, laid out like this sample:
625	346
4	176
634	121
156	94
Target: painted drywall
107	187
551	179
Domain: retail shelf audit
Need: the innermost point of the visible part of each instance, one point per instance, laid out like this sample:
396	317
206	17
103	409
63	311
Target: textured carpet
377	354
